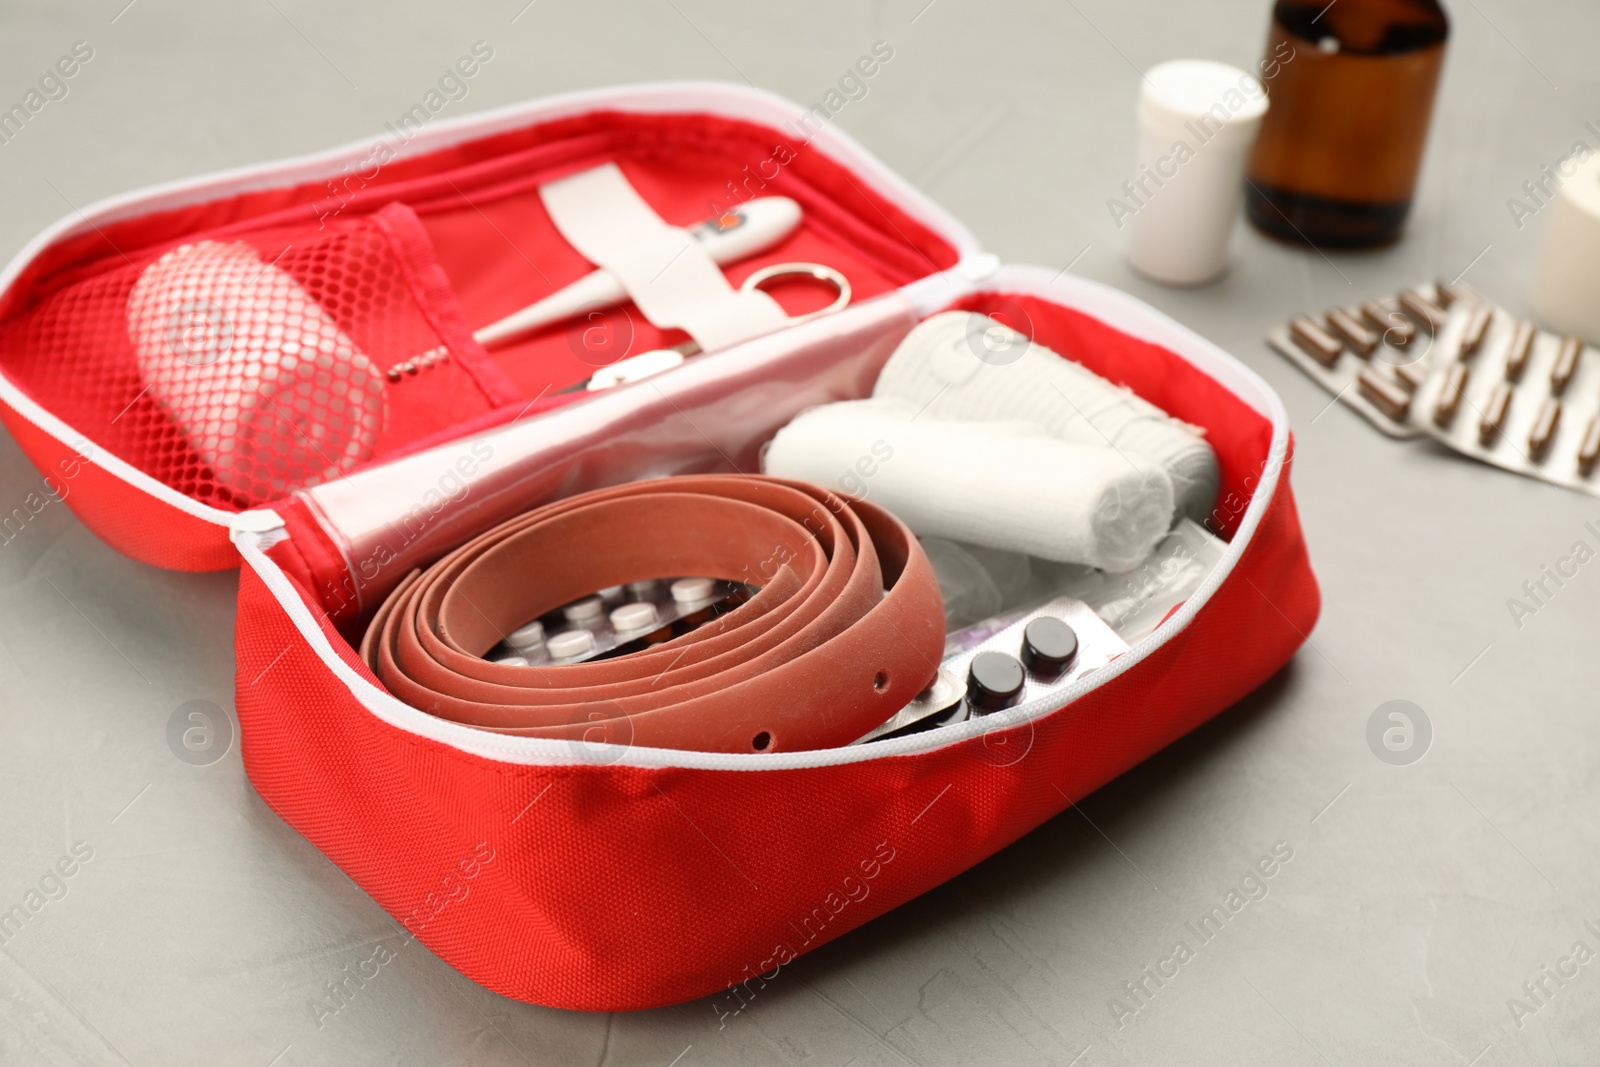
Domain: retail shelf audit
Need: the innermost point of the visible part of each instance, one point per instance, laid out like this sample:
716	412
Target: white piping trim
719	98
1112	306
104	458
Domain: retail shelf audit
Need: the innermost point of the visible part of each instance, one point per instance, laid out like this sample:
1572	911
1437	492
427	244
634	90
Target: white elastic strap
667	273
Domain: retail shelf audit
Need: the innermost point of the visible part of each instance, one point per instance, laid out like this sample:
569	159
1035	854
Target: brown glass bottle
1351	87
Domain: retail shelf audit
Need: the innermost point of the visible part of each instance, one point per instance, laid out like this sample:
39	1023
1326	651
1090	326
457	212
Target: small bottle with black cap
1049	647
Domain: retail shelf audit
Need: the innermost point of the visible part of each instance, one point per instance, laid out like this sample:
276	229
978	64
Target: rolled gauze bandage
1007	485
262	382
962	365
1566	289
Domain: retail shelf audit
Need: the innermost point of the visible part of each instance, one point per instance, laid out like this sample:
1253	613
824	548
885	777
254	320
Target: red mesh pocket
237	368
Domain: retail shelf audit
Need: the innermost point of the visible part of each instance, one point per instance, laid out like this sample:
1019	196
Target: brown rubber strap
847	625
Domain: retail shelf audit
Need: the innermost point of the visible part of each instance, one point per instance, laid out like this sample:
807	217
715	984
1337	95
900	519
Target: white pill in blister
513	661
585	610
644	588
635	616
611	593
529	636
570	643
690	590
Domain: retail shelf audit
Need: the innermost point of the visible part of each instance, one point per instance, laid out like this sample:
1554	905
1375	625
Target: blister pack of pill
1442	362
989	667
619	620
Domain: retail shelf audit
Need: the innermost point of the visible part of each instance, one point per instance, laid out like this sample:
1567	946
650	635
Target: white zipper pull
259	524
979	267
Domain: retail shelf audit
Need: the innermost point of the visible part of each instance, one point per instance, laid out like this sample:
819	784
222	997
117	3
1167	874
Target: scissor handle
815	271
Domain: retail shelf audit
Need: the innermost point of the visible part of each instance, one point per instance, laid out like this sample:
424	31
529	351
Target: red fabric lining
408	240
592	138
494	275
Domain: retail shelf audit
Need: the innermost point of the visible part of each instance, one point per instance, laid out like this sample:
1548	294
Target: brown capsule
1544	427
1566	365
1428	315
1384	394
1391	327
1474	332
1314	341
1494	413
1521	348
1410	375
1362	340
1589	450
1450	393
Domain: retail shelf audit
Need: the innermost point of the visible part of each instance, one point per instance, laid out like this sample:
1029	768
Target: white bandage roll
1566	289
1006	485
962	365
263	383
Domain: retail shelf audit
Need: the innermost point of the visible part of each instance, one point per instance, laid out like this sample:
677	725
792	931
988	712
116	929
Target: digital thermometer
737	234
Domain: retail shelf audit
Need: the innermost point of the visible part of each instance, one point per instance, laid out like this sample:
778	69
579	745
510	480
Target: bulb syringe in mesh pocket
265	385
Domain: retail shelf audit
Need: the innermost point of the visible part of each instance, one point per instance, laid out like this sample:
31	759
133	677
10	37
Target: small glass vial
1352	87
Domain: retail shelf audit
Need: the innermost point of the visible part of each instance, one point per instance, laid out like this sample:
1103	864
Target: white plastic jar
1197	120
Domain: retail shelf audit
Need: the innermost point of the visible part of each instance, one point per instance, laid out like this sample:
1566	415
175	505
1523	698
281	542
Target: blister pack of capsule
1442	362
619	620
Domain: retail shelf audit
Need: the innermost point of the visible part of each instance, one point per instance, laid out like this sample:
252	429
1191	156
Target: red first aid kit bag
591	875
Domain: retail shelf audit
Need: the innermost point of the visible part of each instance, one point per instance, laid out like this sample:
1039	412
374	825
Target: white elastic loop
670	277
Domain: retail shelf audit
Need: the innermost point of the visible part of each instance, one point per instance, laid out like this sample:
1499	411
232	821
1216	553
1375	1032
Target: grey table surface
1419	899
